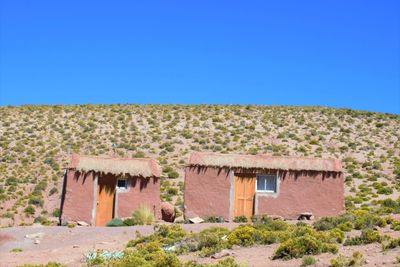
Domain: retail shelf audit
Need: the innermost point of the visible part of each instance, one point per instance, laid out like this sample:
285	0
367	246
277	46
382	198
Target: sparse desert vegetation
37	141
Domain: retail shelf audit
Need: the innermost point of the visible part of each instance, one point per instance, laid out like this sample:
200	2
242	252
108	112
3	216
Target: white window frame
267	175
122	189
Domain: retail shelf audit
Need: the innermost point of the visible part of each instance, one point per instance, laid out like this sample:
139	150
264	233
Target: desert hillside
36	143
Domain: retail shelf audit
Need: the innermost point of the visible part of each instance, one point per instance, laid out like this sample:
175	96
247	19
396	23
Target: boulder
167	212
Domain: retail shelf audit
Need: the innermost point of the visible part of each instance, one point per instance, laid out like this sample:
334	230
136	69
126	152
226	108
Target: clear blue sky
340	53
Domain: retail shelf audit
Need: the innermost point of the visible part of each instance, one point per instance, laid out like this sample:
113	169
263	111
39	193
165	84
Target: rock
221	254
82	223
75	246
167	212
34	236
306	215
36	242
196	220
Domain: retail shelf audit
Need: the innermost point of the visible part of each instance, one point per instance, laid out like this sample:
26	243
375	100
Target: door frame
232	177
94	206
95	194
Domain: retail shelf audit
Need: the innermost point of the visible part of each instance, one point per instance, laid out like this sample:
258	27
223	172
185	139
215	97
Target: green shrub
395	225
42	220
129	221
143	216
327	223
367	236
139	154
268	223
335	235
115	222
30	210
172	191
53	191
390	205
303	245
228	262
147	255
393	243
173	174
355	260
56	212
16	250
214	219
240	219
346	226
212	240
244	235
164	234
308	260
11	181
36	200
365	219
385	191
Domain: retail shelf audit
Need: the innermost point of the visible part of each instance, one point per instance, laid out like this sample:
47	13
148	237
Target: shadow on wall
143	181
282	173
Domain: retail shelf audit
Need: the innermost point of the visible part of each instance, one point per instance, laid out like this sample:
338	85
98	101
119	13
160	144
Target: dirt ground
68	245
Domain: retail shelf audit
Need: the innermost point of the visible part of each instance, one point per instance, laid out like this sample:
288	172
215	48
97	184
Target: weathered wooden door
105	200
245	188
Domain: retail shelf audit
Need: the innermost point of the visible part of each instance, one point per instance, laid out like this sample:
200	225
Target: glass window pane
271	183
121	184
260	183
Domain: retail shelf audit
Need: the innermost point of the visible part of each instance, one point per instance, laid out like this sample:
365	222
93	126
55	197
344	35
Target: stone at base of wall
82	223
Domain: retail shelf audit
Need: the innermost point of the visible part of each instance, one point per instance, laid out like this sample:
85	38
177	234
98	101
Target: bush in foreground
355	260
367	237
304	245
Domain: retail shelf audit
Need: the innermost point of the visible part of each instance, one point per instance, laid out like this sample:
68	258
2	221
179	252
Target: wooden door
105	200
245	188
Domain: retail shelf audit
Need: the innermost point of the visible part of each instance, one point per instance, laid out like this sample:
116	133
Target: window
266	183
122	184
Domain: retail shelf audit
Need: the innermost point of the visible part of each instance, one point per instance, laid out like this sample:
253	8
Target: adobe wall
315	192
79	197
207	192
141	191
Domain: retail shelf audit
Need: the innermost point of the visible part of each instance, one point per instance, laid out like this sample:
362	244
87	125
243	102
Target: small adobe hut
230	185
97	189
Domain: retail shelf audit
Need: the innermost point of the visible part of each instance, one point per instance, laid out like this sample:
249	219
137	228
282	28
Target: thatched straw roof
145	167
264	162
